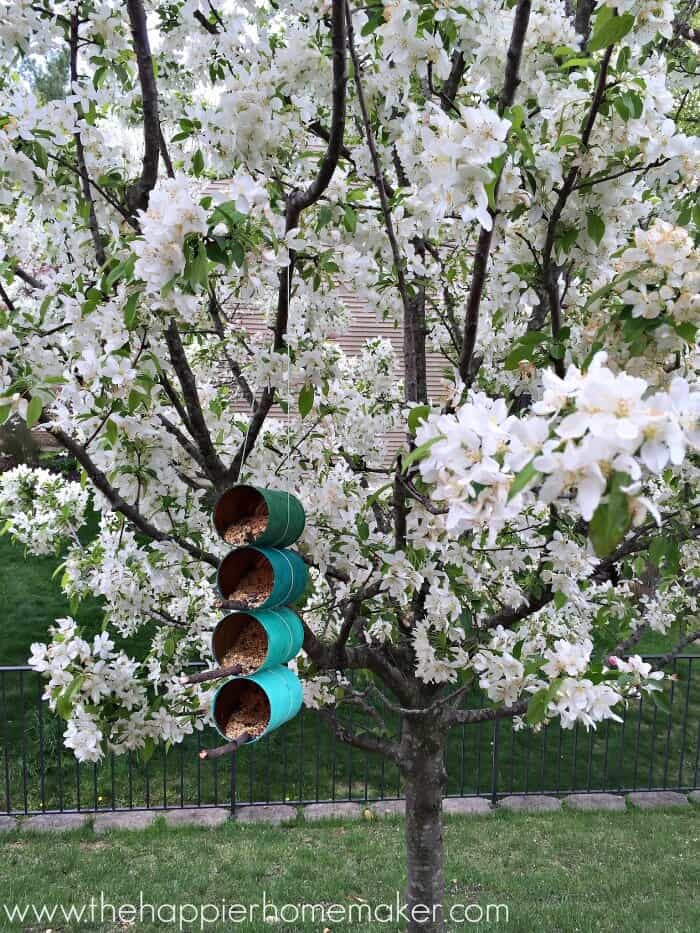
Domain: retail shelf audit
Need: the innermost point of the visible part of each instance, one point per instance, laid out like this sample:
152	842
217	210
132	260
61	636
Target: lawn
301	761
564	872
31	600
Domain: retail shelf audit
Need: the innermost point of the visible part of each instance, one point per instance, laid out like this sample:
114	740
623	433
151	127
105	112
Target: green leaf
595	227
686	330
416	415
5	412
40	156
522	479
610	31
136	399
121	270
578	62
350	220
198	163
419	452
560	600
33	411
99	76
64	704
238	254
306	400
324	216
524	348
146	753
374	21
660	701
130	311
612	518
622	108
568	139
198	273
377	493
537	707
111	432
611	286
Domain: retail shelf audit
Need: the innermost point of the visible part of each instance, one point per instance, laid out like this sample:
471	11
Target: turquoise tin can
280	687
268	517
262	578
283	630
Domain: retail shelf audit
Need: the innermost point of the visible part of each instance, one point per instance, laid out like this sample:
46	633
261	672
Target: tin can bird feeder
255	705
258	639
261	578
249	515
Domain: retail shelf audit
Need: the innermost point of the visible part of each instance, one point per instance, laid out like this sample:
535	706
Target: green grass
557	873
301	760
31	600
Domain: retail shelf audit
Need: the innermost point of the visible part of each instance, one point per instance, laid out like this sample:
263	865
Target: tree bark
423	748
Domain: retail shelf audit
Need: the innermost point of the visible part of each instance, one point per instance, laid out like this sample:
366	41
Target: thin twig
216	673
230	748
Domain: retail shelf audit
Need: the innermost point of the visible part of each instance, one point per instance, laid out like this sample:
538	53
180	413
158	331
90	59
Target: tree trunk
425	779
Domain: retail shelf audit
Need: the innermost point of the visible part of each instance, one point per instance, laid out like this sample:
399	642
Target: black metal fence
303	763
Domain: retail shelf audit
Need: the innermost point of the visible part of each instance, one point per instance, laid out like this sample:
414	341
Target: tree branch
367	741
467	360
215	314
28	279
102	484
671	655
138	194
488	714
550	271
183	441
582	21
297	201
211	462
79	148
379	179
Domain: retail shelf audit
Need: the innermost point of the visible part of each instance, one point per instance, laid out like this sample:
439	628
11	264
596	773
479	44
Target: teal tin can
277	690
252	515
282	629
262	578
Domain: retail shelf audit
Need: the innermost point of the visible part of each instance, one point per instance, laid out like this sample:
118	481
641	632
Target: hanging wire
245	438
289	394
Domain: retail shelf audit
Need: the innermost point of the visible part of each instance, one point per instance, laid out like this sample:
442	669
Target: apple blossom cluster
41	509
82	674
556	676
651	17
660	277
448	156
171	216
587	427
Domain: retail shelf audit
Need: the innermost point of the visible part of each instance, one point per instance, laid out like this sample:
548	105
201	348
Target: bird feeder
268	517
255	705
261	578
258	579
257	640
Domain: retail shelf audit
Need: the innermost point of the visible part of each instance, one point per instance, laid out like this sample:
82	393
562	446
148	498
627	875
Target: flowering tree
514	185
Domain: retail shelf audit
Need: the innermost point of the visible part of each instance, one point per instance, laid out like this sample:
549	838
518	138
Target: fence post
494	761
233	784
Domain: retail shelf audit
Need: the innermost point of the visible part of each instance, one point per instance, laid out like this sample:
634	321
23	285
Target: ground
564	872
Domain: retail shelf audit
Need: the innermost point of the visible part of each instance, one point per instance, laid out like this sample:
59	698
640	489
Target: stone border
276	814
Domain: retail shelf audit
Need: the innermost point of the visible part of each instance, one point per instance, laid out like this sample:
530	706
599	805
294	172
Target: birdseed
249	648
254	587
251	715
247	528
